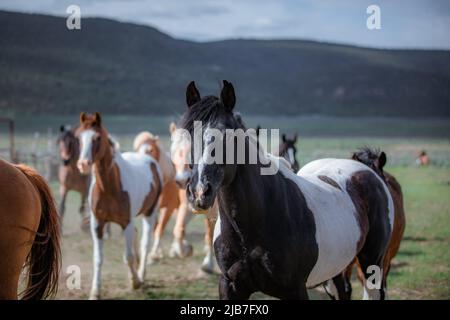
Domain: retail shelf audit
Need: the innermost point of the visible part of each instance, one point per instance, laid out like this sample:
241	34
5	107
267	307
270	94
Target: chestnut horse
69	176
375	160
281	233
122	187
173	198
29	233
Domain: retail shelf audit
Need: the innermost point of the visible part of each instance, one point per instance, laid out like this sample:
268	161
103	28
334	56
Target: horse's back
327	185
136	177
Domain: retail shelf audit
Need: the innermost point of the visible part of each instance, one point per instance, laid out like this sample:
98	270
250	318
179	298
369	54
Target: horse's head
289	151
374	159
94	141
146	143
180	149
68	145
210	171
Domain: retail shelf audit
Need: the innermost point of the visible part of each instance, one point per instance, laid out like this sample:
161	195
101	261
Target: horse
69	176
123	186
173	197
376	160
282	233
288	150
29	234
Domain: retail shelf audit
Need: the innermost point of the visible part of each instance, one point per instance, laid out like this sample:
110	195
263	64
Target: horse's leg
208	261
229	290
163	219
147	229
83	204
62	205
97	238
130	255
180	248
336	288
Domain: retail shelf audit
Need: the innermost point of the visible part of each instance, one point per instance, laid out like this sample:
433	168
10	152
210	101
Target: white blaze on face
291	155
86	145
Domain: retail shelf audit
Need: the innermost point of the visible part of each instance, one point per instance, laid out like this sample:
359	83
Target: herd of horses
279	234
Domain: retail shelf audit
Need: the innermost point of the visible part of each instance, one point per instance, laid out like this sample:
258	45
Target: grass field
421	270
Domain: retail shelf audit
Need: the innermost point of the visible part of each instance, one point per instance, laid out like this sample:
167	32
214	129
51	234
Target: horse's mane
368	155
114	143
141	138
208	110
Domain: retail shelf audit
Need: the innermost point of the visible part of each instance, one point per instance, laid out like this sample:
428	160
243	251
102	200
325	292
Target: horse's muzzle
84	166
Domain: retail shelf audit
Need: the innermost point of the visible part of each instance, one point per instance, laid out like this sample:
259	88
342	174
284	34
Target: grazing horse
375	160
123	186
282	233
288	151
29	233
69	176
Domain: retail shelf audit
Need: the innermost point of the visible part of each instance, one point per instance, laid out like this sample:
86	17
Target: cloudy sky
404	23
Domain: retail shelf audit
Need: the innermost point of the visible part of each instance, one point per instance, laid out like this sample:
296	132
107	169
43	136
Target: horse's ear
283	137
172	127
62	128
382	160
82	117
227	95
98	119
355	156
192	94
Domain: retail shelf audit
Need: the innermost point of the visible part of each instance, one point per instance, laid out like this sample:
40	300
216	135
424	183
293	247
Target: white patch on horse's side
86	144
136	177
291	155
217	229
337	228
323	166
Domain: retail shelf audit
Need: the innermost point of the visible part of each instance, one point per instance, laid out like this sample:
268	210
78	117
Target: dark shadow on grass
423	239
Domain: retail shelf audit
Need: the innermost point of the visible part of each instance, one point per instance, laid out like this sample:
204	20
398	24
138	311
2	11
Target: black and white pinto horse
281	234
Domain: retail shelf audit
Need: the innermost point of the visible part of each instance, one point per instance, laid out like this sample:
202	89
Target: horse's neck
167	167
106	175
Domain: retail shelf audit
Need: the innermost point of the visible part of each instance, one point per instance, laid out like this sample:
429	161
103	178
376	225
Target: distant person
423	159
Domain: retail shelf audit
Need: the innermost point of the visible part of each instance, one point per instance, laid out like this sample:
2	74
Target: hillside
131	69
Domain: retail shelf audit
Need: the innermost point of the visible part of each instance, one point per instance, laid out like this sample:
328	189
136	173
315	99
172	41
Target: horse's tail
43	261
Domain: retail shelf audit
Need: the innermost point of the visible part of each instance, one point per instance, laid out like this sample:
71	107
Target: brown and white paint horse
123	186
29	233
69	176
173	197
375	160
282	233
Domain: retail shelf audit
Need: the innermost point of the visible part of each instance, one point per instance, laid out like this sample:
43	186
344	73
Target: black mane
368	155
209	110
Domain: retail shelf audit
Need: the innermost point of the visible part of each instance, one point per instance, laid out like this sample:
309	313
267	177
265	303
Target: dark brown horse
375	160
29	233
288	150
69	176
277	232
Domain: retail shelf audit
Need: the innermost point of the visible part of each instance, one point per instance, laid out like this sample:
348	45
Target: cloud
405	23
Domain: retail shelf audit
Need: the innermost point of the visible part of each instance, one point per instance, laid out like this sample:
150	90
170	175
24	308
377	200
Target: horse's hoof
206	268
137	284
188	251
94	296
